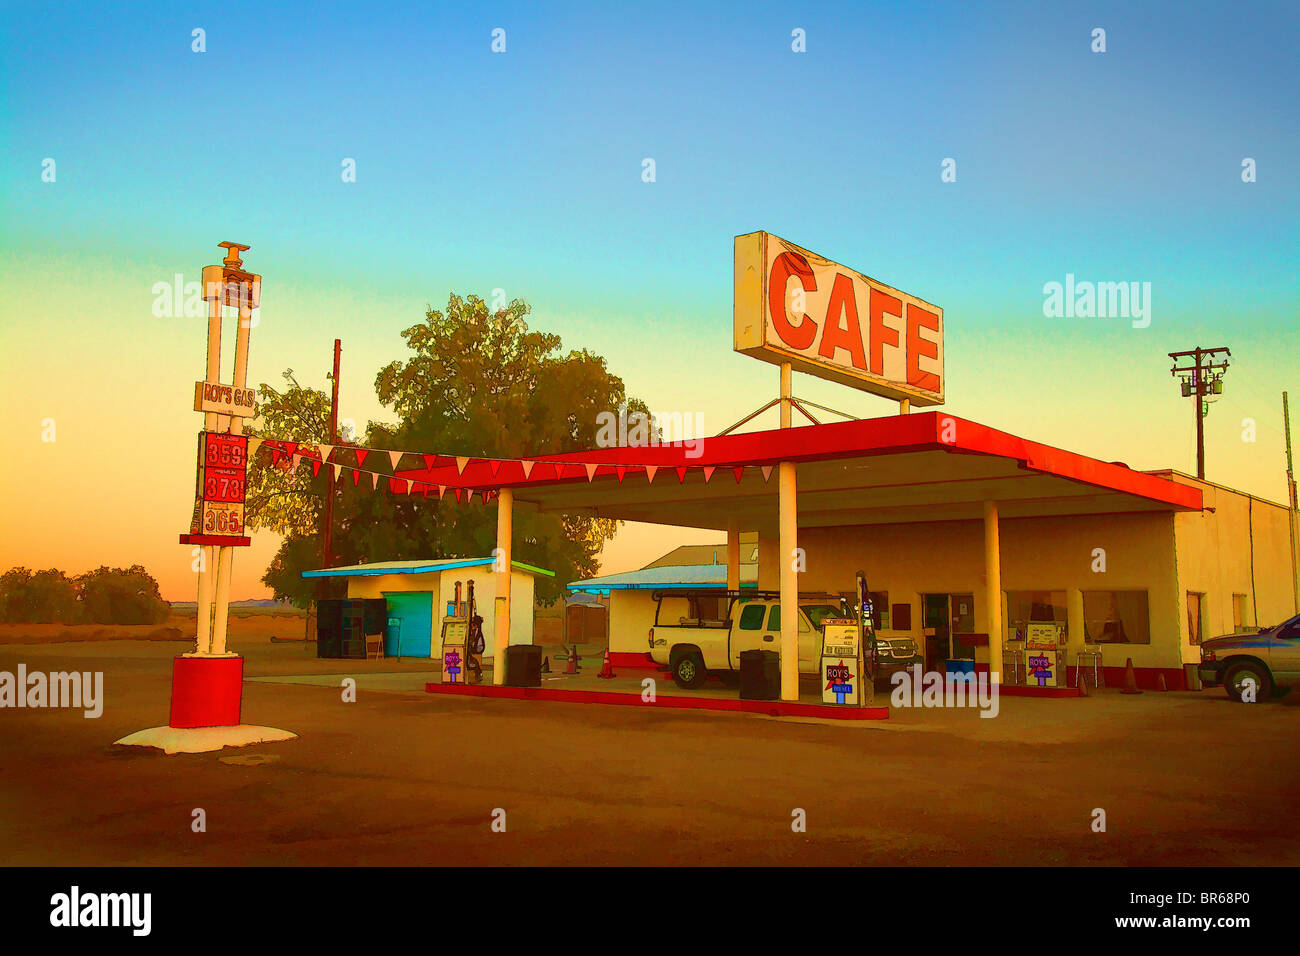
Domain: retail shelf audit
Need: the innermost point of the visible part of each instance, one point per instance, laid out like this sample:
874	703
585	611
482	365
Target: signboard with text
794	306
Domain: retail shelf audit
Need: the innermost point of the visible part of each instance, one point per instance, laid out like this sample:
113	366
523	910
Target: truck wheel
1239	676
688	671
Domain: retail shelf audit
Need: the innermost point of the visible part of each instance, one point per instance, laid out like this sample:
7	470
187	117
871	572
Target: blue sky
522	171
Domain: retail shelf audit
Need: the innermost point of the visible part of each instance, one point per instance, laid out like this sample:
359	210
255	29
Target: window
880	610
817	613
709	608
1195	619
1116	617
751	618
1241	614
1033	607
774	620
902	617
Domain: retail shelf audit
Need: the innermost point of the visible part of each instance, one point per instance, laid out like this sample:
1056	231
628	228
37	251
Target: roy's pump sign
792	305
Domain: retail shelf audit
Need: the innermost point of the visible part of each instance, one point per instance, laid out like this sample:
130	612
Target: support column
786	394
993	590
733	557
501	623
208	555
769	561
904	406
1076	627
789	524
225	558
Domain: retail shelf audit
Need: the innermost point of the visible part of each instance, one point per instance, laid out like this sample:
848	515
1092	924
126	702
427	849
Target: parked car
701	632
1268	658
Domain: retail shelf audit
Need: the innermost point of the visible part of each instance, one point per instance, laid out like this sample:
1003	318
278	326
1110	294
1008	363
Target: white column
209	555
993	590
501	639
1075	625
225	556
789	525
785	395
733	557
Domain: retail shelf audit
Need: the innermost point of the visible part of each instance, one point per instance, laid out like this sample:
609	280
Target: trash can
760	675
523	665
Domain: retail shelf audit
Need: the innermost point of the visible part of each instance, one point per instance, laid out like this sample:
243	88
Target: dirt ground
404	777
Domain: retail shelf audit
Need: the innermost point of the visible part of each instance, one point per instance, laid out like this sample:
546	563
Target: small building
418	592
631	593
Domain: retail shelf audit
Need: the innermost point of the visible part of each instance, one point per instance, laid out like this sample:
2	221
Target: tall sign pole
327	537
1201	379
207	683
1291	501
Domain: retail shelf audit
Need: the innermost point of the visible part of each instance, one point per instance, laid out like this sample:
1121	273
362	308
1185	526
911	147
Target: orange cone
607	666
1130	679
1160	682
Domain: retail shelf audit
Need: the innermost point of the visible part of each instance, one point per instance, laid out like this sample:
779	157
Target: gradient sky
522	171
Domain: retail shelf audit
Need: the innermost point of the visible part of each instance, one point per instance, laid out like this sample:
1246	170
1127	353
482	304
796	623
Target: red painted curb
206	691
773	708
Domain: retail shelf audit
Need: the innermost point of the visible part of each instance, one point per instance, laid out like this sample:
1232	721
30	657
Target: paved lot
403	777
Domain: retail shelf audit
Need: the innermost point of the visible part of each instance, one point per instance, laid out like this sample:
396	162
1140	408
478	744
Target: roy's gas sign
792	305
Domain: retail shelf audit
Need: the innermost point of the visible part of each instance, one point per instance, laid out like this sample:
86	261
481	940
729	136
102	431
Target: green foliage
103	596
479	384
275	499
121	596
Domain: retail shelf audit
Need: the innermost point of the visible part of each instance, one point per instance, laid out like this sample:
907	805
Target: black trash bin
760	675
523	665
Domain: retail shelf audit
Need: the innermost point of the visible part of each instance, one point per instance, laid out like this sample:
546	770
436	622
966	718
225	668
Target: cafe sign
794	306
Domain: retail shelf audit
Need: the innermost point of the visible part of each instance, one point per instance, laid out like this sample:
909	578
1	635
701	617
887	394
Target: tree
46	597
122	596
481	384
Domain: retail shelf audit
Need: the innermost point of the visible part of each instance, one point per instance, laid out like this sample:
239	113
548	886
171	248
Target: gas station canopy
903	468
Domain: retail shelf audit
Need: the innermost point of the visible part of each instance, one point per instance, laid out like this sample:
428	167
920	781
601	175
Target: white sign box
792	305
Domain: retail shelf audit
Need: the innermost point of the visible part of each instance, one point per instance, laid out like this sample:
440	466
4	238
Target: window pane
774	619
751	618
1116	617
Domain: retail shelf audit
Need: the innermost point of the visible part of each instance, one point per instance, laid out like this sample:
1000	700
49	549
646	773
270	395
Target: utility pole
1291	495
327	535
1204	377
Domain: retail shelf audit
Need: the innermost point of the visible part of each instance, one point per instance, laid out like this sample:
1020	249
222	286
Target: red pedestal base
207	691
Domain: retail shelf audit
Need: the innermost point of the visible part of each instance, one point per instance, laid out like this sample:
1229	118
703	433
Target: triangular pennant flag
253	445
356	477
681	475
441	490
429	460
495	464
620	471
290	448
394	457
767	472
739	472
650	472
413	488
374	481
326	451
295	461
460	465
708	472
591	470
457	496
315	467
528	467
397	485
486	496
361	455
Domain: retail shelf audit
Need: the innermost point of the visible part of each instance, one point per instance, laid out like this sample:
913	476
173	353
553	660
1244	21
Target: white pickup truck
696	632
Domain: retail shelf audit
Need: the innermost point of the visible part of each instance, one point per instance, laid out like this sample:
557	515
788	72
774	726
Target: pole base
206	691
197	740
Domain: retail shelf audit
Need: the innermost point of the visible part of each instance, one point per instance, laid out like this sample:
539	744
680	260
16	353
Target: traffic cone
572	666
546	664
1130	679
607	666
1160	682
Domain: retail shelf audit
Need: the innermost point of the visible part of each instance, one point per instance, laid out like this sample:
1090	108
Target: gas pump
474	644
455	641
848	655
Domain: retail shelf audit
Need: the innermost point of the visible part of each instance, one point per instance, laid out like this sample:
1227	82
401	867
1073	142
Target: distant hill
264	603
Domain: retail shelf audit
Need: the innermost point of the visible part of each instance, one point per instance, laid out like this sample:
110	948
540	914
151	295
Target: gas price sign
223	463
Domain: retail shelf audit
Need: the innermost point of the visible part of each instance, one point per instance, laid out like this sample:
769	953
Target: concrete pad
198	740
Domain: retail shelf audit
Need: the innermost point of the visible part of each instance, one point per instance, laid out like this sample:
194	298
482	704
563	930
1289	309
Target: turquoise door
412	636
